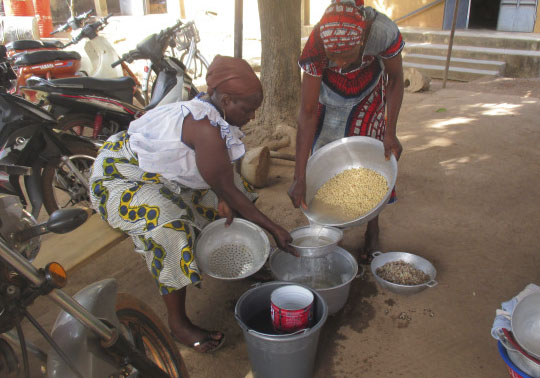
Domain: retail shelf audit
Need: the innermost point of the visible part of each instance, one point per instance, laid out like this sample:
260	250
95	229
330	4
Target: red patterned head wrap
233	76
342	25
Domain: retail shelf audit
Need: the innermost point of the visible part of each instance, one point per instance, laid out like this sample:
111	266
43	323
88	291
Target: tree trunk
280	74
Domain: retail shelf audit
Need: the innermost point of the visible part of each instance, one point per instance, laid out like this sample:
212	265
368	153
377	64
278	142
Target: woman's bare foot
185	332
197	338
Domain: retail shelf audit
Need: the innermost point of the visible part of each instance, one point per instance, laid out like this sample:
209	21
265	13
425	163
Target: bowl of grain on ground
403	273
348	182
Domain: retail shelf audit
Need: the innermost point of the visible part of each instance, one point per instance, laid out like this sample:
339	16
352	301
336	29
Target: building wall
429	18
537	24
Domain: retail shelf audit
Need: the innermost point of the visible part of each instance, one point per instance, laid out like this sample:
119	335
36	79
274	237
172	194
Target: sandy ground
467	189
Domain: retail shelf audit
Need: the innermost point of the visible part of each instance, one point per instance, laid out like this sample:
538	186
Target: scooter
97	54
60	162
99	333
99	108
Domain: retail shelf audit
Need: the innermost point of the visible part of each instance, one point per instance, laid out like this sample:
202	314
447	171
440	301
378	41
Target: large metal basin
333	282
338	156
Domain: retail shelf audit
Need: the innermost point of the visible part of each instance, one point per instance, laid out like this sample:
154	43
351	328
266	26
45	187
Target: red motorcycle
48	64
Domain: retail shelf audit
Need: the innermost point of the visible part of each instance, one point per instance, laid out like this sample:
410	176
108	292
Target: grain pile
353	192
402	273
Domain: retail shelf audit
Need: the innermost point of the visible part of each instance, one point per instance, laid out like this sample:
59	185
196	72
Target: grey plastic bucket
273	355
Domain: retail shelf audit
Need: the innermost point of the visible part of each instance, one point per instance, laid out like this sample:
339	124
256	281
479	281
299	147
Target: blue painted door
462	21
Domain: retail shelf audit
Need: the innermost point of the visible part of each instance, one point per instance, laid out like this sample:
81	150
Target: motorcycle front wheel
61	188
149	335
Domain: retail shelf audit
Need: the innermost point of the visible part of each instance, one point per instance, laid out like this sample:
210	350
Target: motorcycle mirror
66	220
60	222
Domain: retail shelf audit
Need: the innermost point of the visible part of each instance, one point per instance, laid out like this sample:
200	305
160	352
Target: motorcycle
99	333
97	54
29	137
93	58
99	108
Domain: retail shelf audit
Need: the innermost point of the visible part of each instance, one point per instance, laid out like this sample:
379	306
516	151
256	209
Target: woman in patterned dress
352	85
170	174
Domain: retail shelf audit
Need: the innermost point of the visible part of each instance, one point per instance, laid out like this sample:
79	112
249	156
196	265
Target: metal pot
331	276
418	262
338	156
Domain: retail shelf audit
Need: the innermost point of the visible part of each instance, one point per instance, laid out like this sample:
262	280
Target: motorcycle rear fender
78	342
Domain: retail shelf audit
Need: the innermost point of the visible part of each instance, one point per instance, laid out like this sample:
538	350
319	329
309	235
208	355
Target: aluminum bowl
526	324
338	156
304	240
231	252
418	262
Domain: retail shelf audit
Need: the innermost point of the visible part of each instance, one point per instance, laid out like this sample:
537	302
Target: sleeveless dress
145	183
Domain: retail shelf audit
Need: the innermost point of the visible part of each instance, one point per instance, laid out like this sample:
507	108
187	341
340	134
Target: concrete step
519	63
454	73
477	64
479	38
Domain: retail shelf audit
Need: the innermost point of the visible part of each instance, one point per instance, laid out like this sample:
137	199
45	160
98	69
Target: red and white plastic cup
291	308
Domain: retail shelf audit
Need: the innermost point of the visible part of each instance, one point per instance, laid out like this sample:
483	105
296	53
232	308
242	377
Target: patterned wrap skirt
162	217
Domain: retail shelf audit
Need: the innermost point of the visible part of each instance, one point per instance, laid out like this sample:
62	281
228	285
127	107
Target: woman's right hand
297	193
283	238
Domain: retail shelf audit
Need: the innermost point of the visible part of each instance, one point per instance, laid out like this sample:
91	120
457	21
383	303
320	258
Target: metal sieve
231	252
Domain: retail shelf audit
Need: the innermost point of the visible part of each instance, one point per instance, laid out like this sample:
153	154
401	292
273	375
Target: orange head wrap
233	76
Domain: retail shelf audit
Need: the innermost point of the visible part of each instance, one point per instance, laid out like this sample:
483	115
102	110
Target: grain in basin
351	193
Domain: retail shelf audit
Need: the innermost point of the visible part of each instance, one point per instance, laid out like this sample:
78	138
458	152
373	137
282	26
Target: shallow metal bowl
418	262
526	324
305	240
338	156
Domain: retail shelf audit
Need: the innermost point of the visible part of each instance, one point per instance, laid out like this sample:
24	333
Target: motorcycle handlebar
119	61
78	18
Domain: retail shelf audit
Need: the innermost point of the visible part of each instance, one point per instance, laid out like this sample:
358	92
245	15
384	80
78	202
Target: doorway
472	14
484	14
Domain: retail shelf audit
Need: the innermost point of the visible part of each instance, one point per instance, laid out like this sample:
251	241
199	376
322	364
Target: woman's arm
307	125
214	165
394	96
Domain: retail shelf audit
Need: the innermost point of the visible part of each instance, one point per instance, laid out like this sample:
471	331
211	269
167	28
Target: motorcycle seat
41	56
93	83
30	44
121	88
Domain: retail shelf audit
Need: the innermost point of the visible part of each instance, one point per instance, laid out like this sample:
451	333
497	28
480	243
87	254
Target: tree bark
280	22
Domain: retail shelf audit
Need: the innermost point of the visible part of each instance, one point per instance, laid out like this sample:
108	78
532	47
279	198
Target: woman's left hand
392	146
225	211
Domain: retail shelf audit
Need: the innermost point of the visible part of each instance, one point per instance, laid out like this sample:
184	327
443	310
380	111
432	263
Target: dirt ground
467	187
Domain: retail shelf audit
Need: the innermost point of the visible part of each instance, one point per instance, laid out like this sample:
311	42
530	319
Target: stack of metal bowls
523	343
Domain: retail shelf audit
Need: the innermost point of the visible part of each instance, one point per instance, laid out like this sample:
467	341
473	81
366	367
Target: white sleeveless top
156	139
